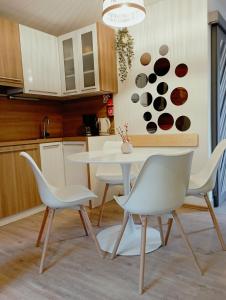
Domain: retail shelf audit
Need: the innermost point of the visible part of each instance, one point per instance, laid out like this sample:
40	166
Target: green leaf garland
125	49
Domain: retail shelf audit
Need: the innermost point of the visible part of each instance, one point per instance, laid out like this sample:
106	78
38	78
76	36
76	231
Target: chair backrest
46	191
161	185
209	173
113	169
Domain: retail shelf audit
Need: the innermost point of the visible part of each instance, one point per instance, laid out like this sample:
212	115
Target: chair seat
196	186
73	195
121	200
113	178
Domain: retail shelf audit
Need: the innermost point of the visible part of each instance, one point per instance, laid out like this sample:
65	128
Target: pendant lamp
123	13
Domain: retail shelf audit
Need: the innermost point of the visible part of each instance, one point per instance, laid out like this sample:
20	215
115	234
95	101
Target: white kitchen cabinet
88	58
79	62
79	68
69	69
40	60
59	171
88	61
52	163
74	173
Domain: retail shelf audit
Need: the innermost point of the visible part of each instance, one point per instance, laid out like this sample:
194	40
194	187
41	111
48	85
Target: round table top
117	157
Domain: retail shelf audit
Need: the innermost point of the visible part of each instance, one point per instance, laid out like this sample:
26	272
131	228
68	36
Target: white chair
55	198
202	183
111	175
159	189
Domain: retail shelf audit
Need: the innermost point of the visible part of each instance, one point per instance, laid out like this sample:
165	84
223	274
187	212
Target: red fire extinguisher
110	107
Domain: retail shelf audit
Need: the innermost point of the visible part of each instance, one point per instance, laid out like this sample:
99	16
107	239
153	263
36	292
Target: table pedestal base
130	243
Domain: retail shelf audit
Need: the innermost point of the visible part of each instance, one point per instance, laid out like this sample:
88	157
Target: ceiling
54	16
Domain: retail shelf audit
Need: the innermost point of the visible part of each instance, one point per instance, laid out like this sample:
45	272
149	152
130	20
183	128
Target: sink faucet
45	123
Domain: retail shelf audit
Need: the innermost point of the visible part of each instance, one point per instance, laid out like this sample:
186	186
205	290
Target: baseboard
22	215
195	207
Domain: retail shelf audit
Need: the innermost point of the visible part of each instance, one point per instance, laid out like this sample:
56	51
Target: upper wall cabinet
88	60
10	56
108	79
69	64
40	59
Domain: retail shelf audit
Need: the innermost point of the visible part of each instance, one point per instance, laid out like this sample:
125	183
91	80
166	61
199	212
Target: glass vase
126	147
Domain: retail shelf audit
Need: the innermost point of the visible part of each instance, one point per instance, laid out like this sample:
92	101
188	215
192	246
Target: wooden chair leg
50	221
215	222
90	229
142	253
139	222
161	230
90	204
102	204
180	227
117	242
46	213
83	222
170	223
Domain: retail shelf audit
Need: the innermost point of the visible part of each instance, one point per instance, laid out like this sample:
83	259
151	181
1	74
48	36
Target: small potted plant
126	145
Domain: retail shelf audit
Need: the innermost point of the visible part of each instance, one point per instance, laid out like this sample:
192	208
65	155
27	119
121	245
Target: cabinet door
10	59
88	58
52	163
40	59
74	173
18	189
68	63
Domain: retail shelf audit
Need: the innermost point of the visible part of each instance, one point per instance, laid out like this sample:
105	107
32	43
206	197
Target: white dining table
130	243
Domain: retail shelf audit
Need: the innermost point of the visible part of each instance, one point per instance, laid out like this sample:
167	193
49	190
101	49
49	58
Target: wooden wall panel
73	111
165	140
21	120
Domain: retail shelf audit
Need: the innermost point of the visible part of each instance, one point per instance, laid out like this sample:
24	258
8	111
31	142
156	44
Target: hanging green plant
125	50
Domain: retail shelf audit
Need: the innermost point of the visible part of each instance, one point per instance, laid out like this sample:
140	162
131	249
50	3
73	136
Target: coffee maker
90	125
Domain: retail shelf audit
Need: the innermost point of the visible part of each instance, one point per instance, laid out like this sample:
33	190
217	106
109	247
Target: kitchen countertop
47	140
41	141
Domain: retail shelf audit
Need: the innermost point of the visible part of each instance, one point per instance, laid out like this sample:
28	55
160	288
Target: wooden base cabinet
18	190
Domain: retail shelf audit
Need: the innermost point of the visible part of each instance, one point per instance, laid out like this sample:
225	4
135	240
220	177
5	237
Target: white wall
182	25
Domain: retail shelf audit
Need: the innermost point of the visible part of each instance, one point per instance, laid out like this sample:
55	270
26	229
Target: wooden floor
75	270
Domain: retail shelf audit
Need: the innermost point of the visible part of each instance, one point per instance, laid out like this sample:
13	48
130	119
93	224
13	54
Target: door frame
218	27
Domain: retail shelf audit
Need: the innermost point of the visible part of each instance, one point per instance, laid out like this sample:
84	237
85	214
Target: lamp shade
123	13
